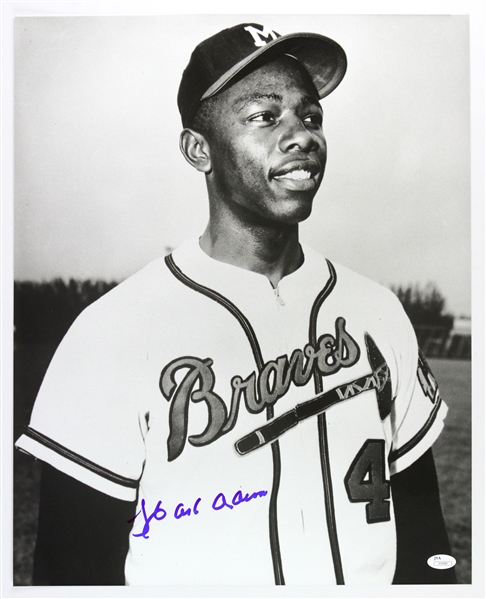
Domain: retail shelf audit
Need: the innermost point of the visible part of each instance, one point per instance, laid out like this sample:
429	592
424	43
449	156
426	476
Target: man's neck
271	251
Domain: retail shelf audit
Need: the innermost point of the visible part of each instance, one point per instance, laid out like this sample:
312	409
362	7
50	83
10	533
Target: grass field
452	454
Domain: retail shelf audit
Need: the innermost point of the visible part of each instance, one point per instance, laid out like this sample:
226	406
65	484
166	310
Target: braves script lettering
259	390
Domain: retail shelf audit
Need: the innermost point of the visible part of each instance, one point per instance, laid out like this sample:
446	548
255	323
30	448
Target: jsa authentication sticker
441	562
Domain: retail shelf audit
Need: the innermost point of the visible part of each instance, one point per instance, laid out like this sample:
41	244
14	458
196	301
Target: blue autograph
219	502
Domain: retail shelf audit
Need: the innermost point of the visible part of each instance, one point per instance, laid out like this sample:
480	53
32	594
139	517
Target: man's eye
314	119
263	117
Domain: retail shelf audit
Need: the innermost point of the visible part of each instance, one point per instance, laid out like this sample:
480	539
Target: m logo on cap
259	36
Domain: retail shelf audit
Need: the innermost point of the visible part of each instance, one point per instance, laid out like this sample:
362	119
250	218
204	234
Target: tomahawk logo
261	37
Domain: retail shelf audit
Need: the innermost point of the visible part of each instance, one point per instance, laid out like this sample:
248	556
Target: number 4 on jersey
365	481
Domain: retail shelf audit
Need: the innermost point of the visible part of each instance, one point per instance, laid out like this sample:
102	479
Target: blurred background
101	189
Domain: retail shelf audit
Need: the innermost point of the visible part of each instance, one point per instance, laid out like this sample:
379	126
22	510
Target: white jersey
256	427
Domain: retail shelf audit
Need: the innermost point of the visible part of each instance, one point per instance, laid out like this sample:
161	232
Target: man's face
268	150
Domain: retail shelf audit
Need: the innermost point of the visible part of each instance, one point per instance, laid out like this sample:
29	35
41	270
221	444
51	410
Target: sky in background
101	187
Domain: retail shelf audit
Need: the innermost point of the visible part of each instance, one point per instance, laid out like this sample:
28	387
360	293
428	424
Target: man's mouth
298	176
295	175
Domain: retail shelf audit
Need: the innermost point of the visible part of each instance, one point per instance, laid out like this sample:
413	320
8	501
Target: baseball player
243	411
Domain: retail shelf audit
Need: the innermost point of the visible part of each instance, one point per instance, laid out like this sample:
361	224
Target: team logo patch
258	390
261	37
426	379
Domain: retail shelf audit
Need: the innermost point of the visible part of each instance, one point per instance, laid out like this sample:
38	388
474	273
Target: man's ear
195	149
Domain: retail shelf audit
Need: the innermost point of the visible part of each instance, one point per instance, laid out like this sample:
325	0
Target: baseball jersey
257	427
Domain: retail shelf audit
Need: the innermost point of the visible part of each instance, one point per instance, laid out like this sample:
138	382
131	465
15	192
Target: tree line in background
424	307
43	312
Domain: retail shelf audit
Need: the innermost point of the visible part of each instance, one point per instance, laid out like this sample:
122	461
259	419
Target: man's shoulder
131	304
138	288
365	284
352	283
152	289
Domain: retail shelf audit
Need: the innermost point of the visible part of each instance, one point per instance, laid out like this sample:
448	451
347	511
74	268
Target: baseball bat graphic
378	379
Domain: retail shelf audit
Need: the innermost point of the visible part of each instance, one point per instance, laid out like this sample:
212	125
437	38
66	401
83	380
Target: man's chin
293	216
298	211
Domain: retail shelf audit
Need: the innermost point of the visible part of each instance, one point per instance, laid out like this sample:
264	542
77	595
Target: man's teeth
297	175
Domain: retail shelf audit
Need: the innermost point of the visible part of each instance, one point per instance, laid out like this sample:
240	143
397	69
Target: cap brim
323	58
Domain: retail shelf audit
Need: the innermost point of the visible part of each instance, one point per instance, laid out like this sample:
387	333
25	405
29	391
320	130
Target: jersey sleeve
88	420
418	411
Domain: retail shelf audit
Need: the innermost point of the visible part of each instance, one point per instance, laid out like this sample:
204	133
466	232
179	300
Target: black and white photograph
243	318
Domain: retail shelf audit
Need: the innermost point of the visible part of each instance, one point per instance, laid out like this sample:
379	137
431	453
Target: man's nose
296	137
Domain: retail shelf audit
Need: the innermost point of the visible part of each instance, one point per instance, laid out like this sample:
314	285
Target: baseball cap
216	61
